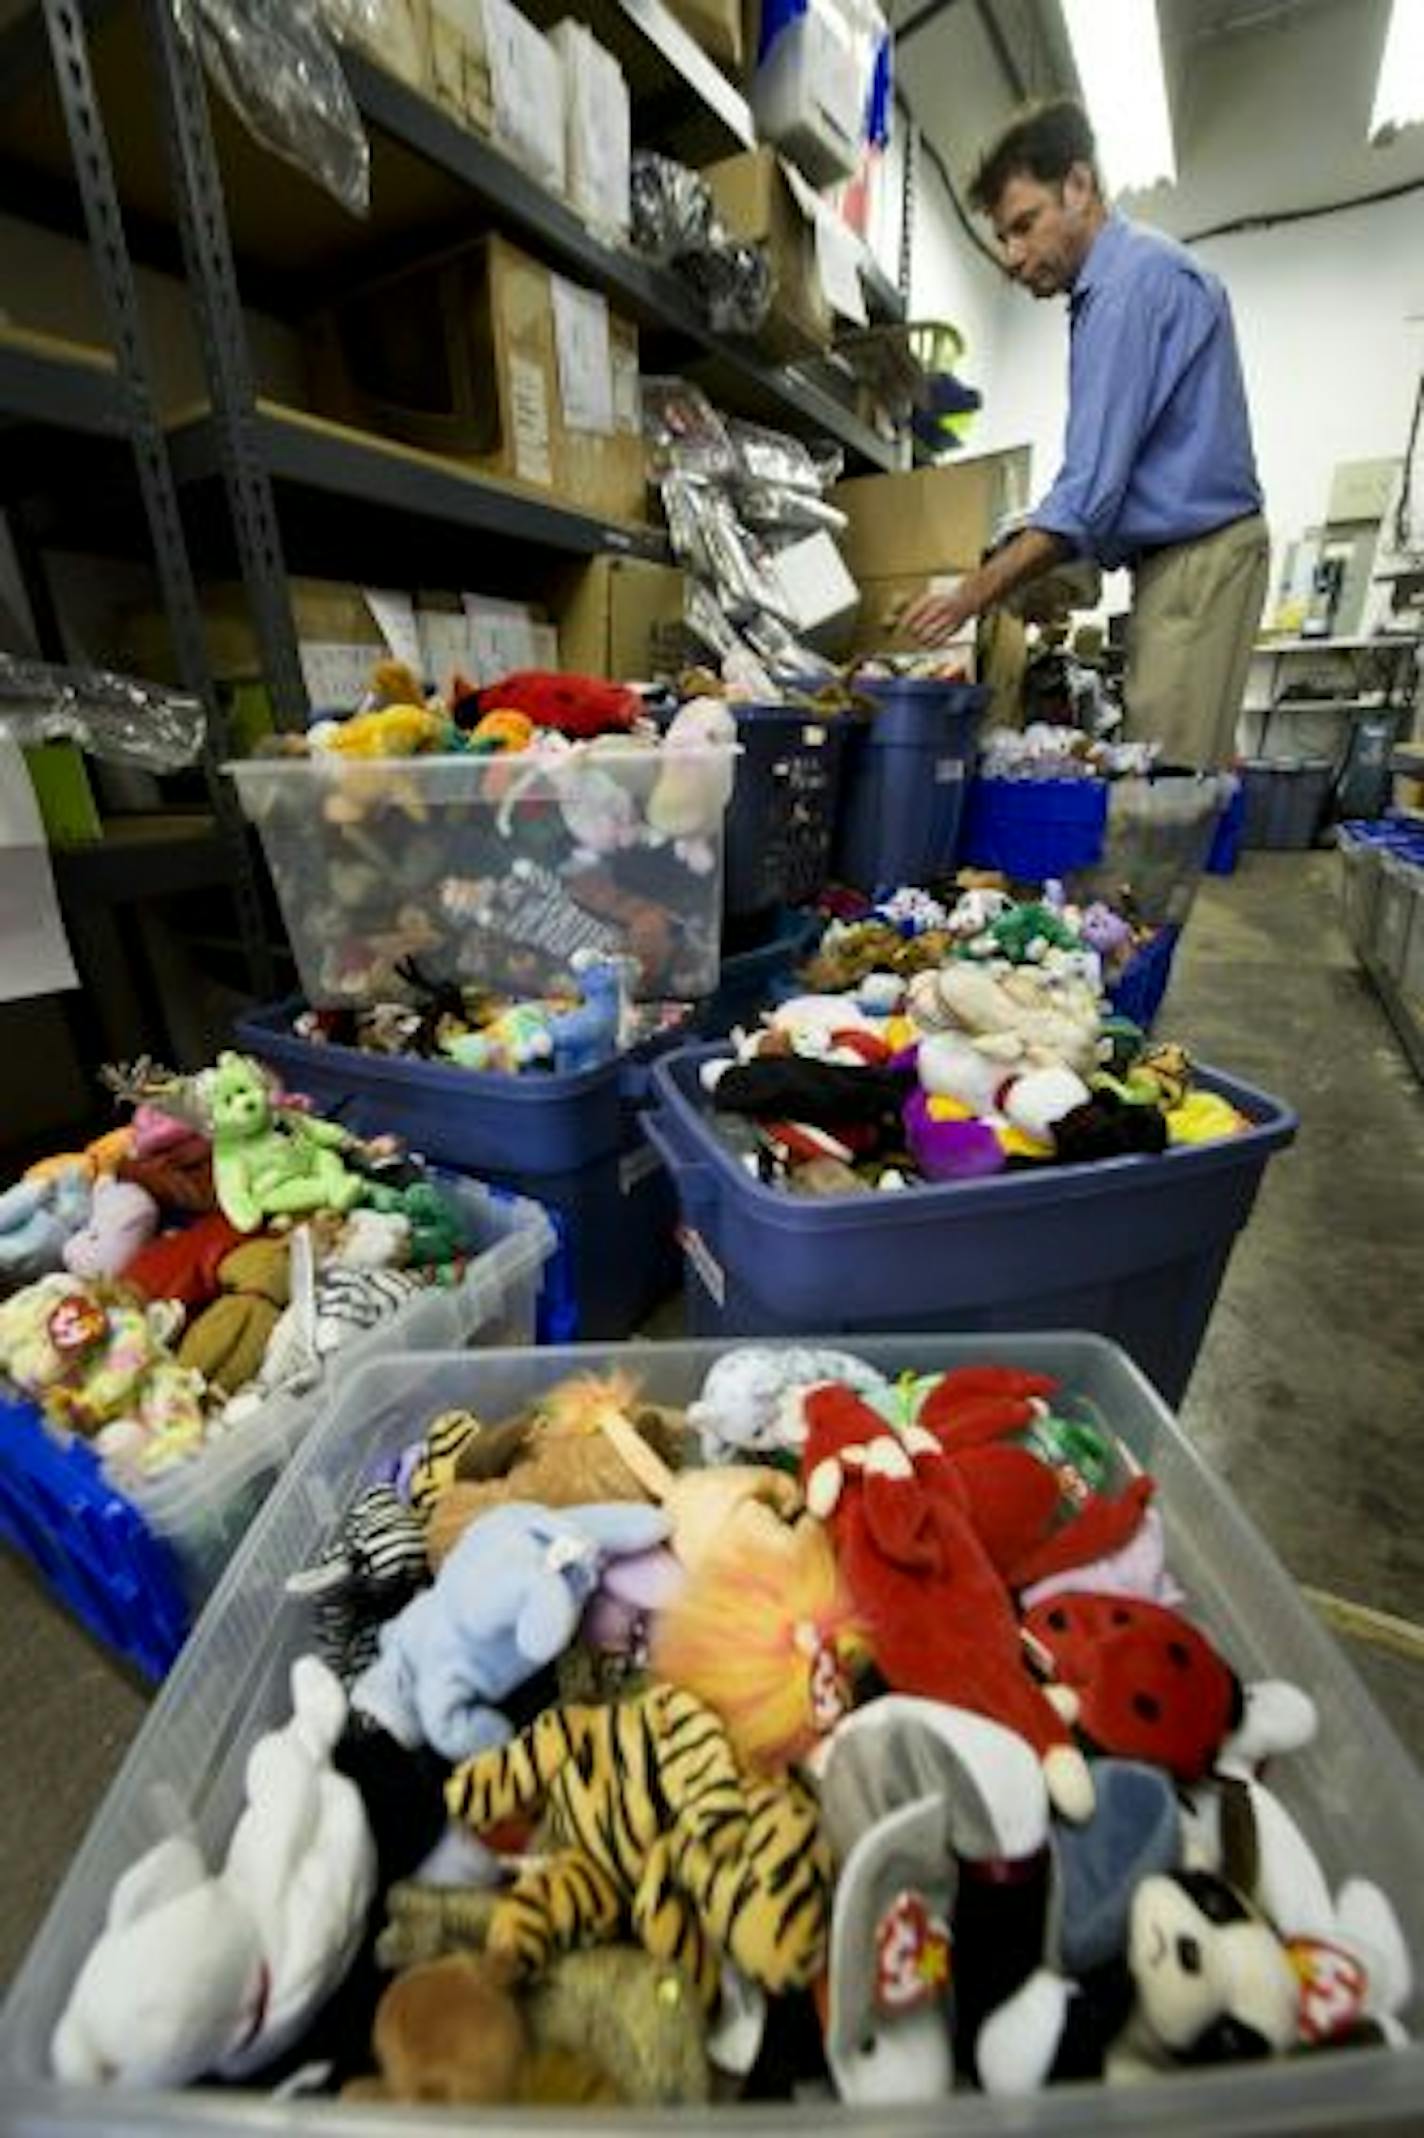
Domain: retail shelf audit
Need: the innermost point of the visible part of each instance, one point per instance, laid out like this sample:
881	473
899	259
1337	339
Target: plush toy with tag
649	1823
195	1972
268	1163
99	1364
749	1403
506	1602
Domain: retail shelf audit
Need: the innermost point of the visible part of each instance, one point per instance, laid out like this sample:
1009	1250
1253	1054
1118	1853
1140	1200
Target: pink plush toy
123	1218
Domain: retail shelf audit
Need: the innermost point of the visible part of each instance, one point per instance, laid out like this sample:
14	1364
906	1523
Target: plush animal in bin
1022	1019
506	1602
197	1972
123	1218
368	1572
633	2019
695	779
227	1342
265	1164
749	1404
98	1363
649	1824
38	1216
579	707
931	1539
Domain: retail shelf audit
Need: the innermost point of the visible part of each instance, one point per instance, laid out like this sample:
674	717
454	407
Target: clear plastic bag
113	717
767	456
684	432
675	223
276	63
777	510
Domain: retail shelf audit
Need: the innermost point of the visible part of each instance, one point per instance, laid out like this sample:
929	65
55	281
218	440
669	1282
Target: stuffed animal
227	1342
1022	1019
649	1823
595	1031
1205	1980
38	1217
386	731
695	777
505	1603
603	2027
183	1265
1143	1682
196	1973
769	1639
576	706
368	1572
749	1403
929	1545
557	1455
99	1364
269	1166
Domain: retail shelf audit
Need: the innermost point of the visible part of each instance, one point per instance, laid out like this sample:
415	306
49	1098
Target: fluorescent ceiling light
1117	50
1399	91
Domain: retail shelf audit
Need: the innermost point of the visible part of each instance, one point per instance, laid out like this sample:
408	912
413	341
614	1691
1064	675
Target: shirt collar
1102	256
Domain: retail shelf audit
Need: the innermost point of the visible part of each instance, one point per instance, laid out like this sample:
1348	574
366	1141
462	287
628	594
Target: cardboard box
622	618
720	27
883	602
457	68
338	638
598	130
932	519
754	198
820	592
486	356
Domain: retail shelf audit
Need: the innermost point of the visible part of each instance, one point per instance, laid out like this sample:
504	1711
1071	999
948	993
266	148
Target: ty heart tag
1333	1988
912	1964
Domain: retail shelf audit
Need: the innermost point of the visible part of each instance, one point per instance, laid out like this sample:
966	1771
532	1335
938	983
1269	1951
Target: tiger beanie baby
649	1823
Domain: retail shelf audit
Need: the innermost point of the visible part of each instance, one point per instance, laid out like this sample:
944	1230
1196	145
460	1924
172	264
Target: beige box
932	519
622	618
721	28
755	201
458	74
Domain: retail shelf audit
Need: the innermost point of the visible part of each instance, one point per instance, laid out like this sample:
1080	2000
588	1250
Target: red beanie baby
577	706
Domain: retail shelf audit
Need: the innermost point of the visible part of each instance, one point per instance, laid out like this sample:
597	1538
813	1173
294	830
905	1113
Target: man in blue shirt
1158	471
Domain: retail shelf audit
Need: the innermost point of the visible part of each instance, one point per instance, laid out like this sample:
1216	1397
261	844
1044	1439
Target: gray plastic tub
1355	1791
1285	802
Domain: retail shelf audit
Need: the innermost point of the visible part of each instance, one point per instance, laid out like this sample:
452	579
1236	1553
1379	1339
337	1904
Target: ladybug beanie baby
1149	1686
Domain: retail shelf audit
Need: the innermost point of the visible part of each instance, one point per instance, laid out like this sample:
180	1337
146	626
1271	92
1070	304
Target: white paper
337	672
501	637
445	644
819	589
585	357
527	90
838	256
529	421
35	957
394	613
627	391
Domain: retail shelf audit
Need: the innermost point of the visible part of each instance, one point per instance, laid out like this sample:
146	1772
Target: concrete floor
1303	1396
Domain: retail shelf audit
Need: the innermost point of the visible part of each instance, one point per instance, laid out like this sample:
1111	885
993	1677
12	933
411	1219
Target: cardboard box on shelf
931	519
883	602
757	202
458	69
526	93
598	130
722	28
338	638
485	355
622	618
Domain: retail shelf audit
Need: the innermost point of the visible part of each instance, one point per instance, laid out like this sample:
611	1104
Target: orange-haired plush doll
769	1639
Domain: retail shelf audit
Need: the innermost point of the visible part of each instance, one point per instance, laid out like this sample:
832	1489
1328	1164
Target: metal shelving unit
52	389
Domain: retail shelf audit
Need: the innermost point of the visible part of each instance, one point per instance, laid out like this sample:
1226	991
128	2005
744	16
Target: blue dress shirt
1158	447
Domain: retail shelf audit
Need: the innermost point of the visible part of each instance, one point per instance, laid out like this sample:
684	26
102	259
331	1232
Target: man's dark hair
1041	141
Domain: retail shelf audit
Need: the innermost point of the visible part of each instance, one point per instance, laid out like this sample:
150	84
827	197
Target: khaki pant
1195	612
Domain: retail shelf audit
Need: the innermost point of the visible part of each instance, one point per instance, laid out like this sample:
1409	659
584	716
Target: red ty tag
911	1955
829	1691
1333	1987
76	1323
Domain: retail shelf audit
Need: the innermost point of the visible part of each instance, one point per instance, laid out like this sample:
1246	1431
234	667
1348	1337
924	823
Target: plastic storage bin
495	870
1355	1791
1134	1248
1159	833
814	90
1226	840
783	813
1397	905
1033	828
1285	801
132	1565
571	1143
904	782
1138	990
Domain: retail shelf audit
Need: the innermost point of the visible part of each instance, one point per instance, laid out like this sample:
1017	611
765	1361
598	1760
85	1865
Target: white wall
1267	119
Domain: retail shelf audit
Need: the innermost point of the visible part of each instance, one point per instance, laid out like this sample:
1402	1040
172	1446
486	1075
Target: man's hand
935	618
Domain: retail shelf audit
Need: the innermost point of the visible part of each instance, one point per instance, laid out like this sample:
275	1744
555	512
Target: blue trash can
904	780
1133	1248
571	1143
1035	828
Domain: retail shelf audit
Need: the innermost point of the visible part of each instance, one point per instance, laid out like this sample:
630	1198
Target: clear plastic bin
1356	1792
133	1559
1159	833
1396	905
496	870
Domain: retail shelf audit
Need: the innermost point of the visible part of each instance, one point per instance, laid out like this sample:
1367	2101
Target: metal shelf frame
111	397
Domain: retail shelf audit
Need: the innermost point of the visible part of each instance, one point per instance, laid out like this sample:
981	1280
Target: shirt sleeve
1115	389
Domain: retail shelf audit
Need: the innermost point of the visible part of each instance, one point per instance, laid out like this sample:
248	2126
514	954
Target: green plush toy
436	1233
1022	935
266	1166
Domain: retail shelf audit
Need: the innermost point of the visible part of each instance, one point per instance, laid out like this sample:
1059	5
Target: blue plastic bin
571	1143
903	789
1134	1248
782	816
1035	828
92	1549
1138	989
754	980
1226	842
